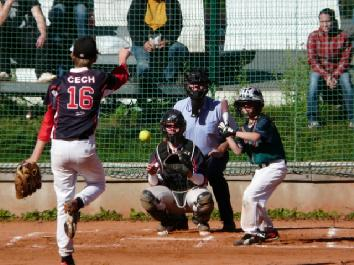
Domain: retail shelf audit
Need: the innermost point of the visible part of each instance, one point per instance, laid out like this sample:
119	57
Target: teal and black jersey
269	147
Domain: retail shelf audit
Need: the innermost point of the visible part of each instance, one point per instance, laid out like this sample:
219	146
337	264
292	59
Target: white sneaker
46	77
4	76
313	124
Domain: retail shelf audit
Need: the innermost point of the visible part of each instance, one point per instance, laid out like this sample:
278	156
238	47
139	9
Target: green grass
112	215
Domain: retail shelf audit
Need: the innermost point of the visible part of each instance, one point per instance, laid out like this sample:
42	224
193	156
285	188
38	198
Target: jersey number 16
85	100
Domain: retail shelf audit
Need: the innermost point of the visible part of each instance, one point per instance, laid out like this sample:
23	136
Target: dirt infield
111	243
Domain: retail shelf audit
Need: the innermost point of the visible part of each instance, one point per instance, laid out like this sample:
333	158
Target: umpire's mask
197	86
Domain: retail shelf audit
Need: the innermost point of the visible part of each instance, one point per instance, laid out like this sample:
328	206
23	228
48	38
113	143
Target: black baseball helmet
175	117
200	77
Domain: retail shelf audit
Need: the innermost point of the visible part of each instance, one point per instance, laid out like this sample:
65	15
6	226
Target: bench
112	34
194	35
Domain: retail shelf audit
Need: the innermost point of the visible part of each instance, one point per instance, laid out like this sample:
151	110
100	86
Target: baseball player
260	140
177	182
70	121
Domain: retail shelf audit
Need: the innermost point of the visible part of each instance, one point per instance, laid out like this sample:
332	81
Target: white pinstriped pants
68	160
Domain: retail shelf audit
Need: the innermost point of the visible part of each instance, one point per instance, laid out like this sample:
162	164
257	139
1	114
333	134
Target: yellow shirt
155	15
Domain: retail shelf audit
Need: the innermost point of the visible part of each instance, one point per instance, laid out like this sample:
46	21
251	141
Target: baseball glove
178	163
27	179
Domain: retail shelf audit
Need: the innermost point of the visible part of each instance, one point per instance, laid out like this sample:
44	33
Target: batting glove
226	130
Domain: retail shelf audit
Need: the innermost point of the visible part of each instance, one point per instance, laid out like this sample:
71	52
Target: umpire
203	114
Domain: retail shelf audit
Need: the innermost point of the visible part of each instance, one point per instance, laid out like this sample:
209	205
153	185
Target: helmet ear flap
237	106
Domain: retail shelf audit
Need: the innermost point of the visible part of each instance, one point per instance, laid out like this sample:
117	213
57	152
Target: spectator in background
329	54
154	27
203	115
69	19
23	21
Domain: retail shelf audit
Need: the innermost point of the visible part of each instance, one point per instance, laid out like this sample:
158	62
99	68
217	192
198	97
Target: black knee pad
149	203
205	206
148	200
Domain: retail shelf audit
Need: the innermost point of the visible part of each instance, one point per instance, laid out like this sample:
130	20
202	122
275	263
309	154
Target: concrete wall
122	196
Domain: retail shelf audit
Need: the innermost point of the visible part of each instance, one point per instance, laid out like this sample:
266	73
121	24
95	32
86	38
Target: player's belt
262	165
76	138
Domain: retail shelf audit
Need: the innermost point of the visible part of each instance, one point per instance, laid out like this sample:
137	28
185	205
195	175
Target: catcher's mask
173	118
249	95
197	86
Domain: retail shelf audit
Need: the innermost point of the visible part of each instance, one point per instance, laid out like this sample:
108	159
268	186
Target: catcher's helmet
197	77
175	117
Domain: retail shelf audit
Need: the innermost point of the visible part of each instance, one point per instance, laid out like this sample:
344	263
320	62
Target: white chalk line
16	239
106	246
201	241
168	238
304	246
331	233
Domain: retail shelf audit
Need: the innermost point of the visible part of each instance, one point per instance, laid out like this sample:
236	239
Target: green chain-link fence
240	42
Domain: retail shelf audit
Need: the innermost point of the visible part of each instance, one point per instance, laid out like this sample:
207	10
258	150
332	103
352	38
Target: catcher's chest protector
163	150
175	181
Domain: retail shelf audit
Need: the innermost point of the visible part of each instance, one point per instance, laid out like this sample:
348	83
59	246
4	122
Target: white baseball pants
68	160
254	213
167	201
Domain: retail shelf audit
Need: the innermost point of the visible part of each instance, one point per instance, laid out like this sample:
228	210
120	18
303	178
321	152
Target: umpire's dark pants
215	174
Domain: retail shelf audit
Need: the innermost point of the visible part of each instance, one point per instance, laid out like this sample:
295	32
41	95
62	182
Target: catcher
70	122
177	182
260	140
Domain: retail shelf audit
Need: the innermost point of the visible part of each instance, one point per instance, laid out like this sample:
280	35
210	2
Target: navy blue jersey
269	147
75	99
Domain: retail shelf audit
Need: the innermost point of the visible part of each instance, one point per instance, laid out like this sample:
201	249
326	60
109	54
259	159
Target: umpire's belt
268	163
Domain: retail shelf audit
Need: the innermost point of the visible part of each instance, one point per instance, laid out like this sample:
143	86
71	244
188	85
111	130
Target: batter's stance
260	140
70	121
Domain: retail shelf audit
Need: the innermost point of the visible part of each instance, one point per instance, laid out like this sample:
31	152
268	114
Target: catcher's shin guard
149	202
203	208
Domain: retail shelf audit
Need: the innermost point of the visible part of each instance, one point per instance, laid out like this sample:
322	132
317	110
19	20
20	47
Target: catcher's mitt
178	163
27	179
